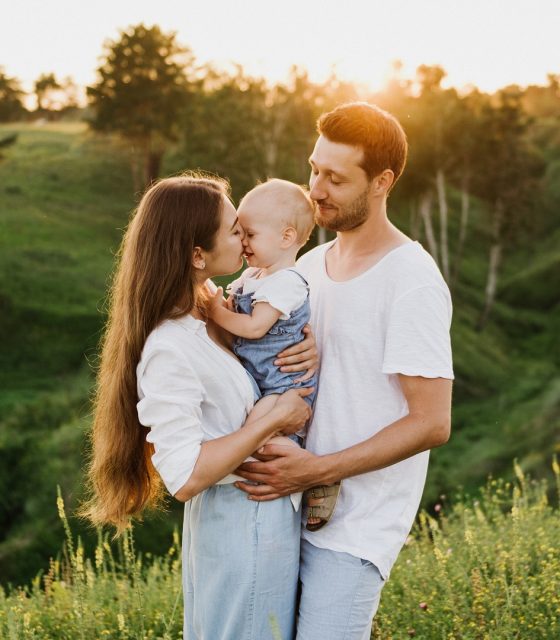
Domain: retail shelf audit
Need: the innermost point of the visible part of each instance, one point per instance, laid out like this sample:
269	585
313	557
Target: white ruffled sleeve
170	402
284	290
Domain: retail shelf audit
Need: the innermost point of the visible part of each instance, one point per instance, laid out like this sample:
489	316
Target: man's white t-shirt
393	318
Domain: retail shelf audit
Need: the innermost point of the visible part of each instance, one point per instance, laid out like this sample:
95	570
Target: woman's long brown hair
154	280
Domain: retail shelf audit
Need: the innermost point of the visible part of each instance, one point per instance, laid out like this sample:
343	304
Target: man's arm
427	425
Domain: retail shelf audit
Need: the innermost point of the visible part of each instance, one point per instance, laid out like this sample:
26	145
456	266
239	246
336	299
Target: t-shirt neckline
369	269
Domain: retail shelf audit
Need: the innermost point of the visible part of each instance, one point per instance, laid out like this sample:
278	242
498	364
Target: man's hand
302	356
281	470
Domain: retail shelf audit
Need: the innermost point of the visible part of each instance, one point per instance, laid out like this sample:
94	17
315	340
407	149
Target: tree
55	97
140	92
11	106
44	87
507	177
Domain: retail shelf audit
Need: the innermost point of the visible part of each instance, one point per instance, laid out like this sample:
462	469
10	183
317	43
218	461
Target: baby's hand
216	302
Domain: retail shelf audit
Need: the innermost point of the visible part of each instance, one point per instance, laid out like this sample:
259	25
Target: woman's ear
198	259
289	236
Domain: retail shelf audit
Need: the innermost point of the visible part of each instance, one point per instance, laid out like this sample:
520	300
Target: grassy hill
65	197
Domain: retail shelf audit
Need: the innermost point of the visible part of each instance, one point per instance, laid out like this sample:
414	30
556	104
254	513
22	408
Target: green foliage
140	91
487	570
483	569
11	106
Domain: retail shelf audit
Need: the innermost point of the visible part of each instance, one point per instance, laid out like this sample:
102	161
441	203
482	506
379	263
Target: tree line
152	98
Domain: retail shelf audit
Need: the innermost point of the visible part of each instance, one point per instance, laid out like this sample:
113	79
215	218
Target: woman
240	558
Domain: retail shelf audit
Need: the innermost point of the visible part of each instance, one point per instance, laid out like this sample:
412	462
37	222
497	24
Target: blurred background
97	101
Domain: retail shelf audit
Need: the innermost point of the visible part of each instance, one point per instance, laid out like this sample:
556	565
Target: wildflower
120	620
423	605
437	508
411	633
555	466
60	506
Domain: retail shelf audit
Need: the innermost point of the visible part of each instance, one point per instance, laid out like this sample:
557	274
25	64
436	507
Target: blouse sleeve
171	396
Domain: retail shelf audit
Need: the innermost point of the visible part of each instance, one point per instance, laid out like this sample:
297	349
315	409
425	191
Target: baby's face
263	229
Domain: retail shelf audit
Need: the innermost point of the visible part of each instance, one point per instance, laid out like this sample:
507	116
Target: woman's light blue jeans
240	566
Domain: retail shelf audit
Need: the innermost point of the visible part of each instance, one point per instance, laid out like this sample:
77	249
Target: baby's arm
240	324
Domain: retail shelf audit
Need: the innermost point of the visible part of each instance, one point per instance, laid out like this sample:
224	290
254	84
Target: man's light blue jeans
339	597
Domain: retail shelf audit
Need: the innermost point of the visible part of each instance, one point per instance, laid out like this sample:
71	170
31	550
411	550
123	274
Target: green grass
480	569
65	197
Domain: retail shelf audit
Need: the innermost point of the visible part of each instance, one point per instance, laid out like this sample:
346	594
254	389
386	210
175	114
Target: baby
270	300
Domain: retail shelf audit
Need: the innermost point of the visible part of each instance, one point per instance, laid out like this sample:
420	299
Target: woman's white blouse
190	390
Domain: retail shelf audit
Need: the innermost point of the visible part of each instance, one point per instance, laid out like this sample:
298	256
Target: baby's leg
261	408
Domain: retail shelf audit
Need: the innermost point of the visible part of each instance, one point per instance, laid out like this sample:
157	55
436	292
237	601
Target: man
381	313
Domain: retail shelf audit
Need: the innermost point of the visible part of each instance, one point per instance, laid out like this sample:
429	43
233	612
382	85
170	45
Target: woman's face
227	255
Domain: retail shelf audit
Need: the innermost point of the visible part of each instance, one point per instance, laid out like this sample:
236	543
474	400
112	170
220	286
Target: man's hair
377	132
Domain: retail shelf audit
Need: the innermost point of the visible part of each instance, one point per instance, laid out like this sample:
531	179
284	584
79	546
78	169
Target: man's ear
382	183
289	236
198	259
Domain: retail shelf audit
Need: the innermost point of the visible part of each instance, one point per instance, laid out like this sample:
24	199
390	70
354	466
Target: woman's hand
293	411
302	356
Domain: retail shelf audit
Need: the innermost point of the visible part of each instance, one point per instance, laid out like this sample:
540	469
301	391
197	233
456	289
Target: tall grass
487	570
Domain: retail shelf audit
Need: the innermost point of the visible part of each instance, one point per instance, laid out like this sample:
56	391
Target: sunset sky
489	43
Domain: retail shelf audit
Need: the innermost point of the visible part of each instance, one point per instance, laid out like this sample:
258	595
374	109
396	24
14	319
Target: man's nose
317	192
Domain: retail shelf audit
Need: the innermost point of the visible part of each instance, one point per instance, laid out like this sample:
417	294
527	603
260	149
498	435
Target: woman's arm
219	457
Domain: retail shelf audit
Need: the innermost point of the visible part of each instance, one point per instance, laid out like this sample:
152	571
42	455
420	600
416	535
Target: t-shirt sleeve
170	406
286	292
417	341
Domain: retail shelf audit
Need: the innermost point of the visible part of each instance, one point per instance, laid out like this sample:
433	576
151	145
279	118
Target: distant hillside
65	197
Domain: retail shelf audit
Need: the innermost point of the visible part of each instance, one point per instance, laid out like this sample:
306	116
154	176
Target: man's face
339	186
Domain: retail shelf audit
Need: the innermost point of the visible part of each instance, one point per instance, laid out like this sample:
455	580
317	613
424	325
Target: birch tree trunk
443	216
425	208
321	235
463	226
414	220
494	263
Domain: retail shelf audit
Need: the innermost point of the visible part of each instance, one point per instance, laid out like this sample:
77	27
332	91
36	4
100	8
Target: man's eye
335	182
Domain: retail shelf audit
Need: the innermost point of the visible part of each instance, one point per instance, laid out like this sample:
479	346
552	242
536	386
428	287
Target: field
65	197
483	569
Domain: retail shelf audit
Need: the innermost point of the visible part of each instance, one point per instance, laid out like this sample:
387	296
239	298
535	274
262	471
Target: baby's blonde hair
294	205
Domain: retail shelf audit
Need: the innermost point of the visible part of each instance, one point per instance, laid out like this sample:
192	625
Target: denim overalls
257	356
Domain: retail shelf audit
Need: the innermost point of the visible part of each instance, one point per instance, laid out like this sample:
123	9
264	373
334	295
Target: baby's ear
289	236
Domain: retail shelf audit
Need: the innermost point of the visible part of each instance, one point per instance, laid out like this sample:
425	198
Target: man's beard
348	217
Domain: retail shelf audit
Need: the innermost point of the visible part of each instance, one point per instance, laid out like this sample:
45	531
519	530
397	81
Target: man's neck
376	236
360	249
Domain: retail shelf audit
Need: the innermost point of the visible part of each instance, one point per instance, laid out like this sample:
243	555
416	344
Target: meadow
482	567
479	569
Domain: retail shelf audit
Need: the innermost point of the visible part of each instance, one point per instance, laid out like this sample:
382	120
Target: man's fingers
262	491
310	373
254	477
276	450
